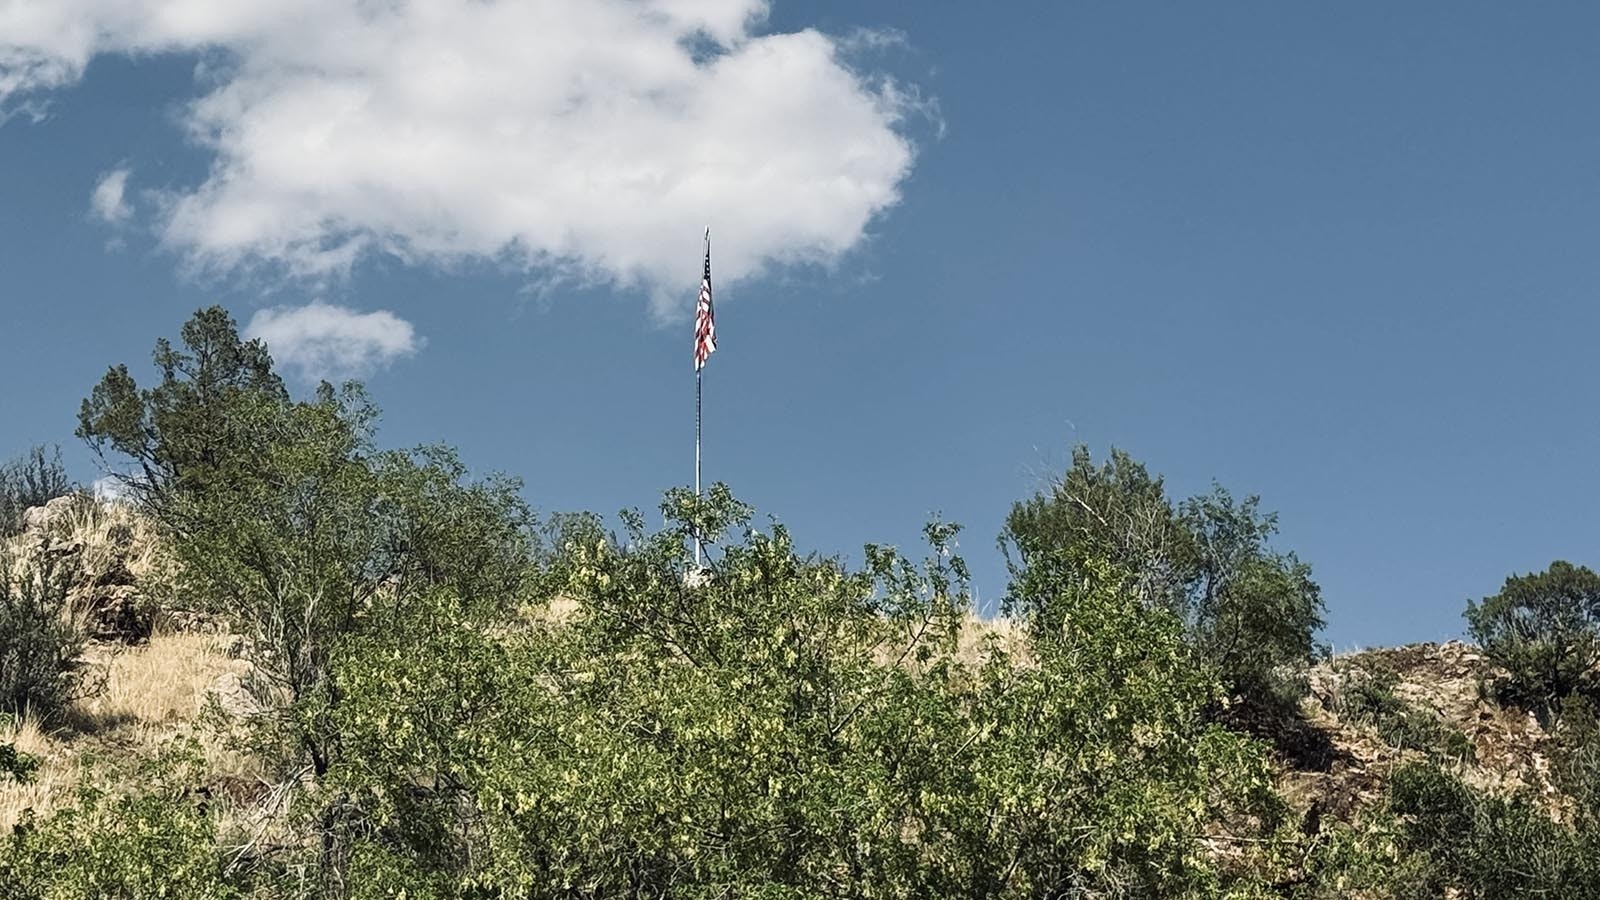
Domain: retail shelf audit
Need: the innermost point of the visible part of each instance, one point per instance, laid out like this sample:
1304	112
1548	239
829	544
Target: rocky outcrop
1505	749
234	696
104	550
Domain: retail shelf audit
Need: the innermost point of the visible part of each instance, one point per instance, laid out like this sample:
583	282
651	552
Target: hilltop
313	667
155	677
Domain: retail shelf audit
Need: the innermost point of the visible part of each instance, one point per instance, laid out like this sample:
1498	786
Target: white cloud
108	203
587	139
111	489
319	340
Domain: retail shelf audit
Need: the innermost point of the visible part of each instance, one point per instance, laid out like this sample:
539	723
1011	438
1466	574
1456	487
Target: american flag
705	318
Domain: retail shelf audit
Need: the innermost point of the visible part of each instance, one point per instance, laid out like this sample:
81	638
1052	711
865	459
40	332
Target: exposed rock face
42	519
1509	751
234	697
103	548
115	612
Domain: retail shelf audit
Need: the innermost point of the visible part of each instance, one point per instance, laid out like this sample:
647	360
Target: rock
114	613
62	548
42	518
234	697
193	621
116	574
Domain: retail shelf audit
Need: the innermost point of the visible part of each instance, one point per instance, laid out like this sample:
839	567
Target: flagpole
697	378
697	463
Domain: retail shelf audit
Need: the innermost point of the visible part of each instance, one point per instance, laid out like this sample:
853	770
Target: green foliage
33	479
16	765
1115	514
1249	610
1252	611
1321	857
778	725
156	843
40	640
1489	847
1544	630
185	433
319	540
1577	755
282	516
454	721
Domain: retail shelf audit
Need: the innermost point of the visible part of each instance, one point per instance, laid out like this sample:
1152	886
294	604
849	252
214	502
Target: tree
180	434
1117	514
284	517
1251	611
1544	630
322	539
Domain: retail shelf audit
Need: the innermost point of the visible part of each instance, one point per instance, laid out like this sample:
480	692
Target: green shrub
324	544
1116	513
1577	756
40	640
1489	847
1327	858
156	843
16	765
1544	630
283	517
778	726
32	480
1250	611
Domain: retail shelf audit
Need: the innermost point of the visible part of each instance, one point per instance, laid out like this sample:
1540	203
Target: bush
1250	611
282	516
323	540
1363	857
783	726
32	480
1253	612
1544	630
40	640
154	843
1115	514
1488	847
16	765
1576	760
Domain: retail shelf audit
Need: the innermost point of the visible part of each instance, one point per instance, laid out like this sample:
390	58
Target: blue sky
1339	256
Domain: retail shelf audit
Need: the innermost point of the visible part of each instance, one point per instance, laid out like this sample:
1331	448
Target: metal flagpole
697	463
697	375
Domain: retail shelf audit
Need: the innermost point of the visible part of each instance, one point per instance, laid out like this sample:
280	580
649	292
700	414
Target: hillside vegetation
289	663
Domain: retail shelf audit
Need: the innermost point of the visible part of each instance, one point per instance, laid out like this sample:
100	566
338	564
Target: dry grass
156	685
109	535
980	637
56	779
151	695
114	534
139	700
